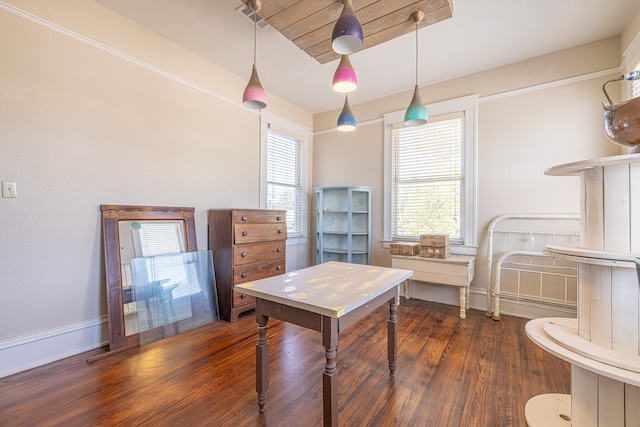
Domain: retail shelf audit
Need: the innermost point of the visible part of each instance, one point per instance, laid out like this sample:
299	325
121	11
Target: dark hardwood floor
451	372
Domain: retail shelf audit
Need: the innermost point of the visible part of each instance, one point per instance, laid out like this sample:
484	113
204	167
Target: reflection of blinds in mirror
160	238
163	238
175	274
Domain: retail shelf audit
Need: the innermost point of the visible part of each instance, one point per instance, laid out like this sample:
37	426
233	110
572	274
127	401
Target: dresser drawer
252	233
249	216
259	270
242	299
245	254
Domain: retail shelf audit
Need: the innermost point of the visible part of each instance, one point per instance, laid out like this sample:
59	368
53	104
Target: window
284	176
430	174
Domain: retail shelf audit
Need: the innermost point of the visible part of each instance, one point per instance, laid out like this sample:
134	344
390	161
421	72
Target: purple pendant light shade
346	120
416	114
254	95
345	79
347	34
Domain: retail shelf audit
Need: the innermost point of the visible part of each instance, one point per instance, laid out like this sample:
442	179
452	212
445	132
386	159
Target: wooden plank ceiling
309	23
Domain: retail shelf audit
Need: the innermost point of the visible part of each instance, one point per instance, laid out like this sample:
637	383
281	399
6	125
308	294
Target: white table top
330	289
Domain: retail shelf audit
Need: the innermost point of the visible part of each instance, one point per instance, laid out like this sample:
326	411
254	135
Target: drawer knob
243	254
243	275
243	219
279	231
278	249
279	268
244	233
242	296
279	218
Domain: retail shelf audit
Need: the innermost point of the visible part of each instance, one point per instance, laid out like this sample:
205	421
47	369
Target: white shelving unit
603	343
343	224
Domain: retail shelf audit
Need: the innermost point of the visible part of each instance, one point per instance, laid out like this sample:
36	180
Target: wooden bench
455	270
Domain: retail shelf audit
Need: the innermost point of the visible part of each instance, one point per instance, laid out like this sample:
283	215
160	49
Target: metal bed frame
520	252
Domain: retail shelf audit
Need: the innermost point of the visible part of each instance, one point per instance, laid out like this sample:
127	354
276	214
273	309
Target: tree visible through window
427	178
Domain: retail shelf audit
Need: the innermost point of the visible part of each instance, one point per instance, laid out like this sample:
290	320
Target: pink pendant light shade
345	79
347	35
254	95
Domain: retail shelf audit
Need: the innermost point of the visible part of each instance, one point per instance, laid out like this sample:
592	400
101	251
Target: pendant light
347	33
346	120
416	114
254	95
345	79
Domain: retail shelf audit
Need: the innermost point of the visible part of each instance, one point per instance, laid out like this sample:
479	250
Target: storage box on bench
435	246
435	252
434	240
405	248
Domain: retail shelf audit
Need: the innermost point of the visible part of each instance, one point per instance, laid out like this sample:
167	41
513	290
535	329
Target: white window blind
284	179
428	179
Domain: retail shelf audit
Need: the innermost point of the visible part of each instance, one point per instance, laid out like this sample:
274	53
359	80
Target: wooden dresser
247	244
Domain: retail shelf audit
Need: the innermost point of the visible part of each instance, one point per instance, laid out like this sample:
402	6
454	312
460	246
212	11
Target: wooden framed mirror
118	251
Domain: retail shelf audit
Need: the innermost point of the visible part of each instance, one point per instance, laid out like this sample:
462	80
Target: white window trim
468	104
297	131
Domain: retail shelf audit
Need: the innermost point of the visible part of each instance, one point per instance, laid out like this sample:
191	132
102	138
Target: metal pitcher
622	121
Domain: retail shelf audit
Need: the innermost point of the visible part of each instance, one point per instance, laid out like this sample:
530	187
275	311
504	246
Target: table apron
289	314
313	321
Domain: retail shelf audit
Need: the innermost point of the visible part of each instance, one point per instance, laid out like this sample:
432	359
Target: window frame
469	106
300	133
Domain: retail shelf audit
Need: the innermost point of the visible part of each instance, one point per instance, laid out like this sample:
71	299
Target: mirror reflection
139	240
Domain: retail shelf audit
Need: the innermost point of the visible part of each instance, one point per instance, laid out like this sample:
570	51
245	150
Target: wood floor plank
450	372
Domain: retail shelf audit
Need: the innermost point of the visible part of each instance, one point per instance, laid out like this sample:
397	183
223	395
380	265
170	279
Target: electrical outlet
9	189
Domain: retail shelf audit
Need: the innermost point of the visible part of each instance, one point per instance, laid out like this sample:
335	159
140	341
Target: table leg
330	375
463	303
262	361
392	336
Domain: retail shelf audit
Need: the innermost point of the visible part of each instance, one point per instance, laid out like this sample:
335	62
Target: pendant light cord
255	25
416	53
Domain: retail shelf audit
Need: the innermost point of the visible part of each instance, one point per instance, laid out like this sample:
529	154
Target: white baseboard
478	301
29	351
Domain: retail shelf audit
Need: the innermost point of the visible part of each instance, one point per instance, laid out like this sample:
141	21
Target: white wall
97	110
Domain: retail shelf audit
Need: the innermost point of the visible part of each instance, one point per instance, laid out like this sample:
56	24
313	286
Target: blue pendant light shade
345	79
416	114
254	95
347	34
346	120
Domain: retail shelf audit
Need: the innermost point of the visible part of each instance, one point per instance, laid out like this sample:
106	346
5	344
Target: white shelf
589	256
537	331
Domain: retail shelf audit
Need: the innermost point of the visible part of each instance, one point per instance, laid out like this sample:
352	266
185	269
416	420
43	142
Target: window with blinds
428	178
284	179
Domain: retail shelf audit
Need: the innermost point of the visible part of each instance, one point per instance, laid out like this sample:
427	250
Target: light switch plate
9	189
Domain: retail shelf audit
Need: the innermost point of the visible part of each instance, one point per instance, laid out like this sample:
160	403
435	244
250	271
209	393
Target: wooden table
327	298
